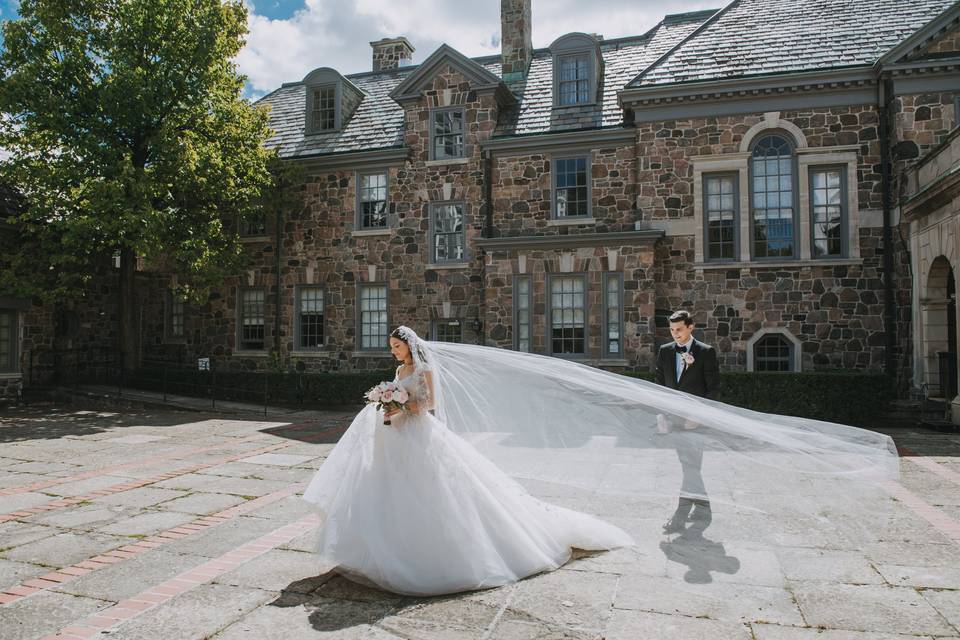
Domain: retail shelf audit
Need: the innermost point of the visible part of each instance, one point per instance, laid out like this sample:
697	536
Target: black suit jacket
702	378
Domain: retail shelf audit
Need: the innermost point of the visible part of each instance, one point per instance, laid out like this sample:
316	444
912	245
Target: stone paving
146	523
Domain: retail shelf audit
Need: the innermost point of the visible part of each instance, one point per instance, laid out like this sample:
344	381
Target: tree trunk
129	353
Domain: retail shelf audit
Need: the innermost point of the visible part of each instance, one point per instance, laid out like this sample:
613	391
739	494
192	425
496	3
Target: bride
432	503
413	508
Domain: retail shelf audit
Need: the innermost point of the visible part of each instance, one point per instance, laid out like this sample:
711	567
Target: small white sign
203	364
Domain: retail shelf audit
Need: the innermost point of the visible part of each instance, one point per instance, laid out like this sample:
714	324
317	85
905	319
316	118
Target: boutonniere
687	358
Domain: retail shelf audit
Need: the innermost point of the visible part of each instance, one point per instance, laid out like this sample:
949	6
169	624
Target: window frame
358	223
789	357
705	179
311	128
842	169
554	174
297	320
241	346
577	45
605	348
436	322
432	233
359	317
516	312
170	300
586	315
431	130
12	364
795	196
587	56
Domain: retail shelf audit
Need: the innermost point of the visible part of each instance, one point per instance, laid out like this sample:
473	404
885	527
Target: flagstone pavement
142	523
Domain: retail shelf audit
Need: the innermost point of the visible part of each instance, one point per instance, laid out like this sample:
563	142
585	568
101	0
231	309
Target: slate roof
746	38
378	121
623	59
761	37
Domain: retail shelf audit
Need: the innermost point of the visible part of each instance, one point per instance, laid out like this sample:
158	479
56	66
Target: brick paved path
141	524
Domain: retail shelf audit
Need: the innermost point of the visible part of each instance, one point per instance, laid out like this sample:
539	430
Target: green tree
128	136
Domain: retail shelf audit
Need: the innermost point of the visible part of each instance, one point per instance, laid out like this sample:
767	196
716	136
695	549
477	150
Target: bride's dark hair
401	335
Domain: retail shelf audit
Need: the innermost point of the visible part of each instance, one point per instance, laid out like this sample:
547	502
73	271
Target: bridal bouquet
388	396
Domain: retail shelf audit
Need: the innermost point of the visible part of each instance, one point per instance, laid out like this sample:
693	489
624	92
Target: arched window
773	352
773	197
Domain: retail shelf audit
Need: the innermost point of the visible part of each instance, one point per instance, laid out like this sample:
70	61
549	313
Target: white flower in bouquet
401	396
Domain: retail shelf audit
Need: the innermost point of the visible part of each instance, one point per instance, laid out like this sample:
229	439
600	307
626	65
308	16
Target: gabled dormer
330	100
577	70
479	78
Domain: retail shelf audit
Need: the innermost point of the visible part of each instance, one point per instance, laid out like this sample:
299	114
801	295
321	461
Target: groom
690	366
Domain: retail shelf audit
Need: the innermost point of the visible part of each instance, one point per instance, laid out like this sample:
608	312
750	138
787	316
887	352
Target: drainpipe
487	233
277	299
889	303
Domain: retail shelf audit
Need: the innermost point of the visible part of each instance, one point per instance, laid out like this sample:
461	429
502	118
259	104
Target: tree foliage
128	134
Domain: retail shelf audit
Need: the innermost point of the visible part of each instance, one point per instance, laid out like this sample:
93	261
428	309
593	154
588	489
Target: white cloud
337	33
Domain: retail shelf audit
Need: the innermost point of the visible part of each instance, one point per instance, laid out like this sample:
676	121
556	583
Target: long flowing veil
696	482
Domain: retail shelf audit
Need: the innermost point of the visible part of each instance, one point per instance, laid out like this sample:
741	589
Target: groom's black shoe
677	522
701	512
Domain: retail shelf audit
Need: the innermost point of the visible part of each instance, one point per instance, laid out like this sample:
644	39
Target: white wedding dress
413	508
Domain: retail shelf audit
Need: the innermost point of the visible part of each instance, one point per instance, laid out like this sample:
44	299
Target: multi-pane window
772	353
567	315
773	189
374	333
720	207
827	210
251	318
448	331
522	322
613	315
574	84
8	340
254	223
372	194
309	317
324	111
571	193
174	315
446	134
448	233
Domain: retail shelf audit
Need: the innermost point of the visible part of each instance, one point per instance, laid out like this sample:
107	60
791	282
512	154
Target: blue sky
289	38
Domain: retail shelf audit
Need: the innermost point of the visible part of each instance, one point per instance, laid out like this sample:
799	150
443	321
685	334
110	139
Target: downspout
889	303
279	225
487	233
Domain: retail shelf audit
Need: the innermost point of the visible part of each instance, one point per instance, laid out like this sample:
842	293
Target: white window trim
296	319
806	158
796	352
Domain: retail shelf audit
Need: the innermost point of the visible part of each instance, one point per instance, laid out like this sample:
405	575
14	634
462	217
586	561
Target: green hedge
840	396
845	397
307	389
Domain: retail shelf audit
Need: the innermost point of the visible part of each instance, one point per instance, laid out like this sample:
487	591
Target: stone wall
635	262
665	151
522	196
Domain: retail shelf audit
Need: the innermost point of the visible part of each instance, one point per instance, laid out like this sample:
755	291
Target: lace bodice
416	385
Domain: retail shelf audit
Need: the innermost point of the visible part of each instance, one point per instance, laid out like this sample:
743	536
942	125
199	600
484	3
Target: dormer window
574	83
331	100
324	113
577	70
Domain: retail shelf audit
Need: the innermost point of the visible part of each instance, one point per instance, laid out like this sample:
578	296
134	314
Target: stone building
745	163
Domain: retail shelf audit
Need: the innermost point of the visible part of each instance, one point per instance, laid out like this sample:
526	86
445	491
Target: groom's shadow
701	555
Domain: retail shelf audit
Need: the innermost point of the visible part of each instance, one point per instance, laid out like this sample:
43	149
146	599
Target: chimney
391	53
516	45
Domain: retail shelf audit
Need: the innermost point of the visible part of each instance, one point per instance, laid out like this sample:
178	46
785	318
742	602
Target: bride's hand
390	414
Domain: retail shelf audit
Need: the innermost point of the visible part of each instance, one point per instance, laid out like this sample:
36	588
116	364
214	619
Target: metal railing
204	378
